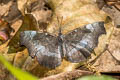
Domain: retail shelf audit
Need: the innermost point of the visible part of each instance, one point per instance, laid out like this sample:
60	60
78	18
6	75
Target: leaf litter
85	12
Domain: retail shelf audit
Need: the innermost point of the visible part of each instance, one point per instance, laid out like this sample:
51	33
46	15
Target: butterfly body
76	45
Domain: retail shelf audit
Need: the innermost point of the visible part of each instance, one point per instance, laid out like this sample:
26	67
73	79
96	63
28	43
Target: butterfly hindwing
79	45
44	46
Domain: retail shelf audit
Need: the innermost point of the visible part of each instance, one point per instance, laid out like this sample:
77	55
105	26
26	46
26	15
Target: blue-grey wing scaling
78	45
44	46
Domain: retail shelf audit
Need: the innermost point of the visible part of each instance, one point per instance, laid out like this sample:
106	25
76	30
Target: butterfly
76	46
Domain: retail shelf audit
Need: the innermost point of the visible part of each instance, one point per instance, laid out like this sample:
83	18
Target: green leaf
19	74
102	77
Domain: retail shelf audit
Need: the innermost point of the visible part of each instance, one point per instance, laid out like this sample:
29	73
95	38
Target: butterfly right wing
44	46
78	45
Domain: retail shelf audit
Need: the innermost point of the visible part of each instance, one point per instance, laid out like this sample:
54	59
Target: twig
68	75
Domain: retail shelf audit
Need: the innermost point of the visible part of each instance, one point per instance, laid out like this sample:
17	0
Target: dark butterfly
76	46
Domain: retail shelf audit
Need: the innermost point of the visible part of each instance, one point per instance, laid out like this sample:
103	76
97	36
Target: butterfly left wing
43	46
78	45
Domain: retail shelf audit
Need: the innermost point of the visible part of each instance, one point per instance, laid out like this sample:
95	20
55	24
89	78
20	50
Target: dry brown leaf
112	8
107	62
68	75
22	5
75	13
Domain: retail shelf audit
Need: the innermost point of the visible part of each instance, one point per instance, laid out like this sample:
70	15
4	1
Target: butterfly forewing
79	44
71	41
44	46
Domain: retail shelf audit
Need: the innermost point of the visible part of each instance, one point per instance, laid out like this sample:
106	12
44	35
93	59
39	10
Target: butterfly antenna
59	25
